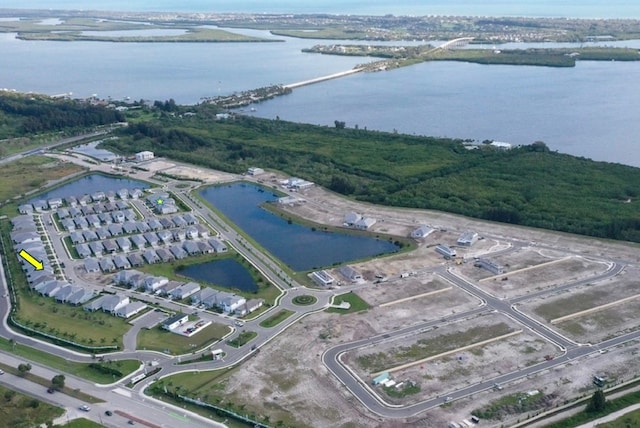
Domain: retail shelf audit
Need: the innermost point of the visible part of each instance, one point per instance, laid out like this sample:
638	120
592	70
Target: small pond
228	273
89	184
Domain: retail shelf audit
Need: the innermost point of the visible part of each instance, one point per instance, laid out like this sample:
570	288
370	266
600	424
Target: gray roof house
54	203
218	245
202	295
96	304
98	196
185	290
121	205
129	214
154	224
190	218
166	223
90	235
130	310
80	223
179	235
66	292
138	241
113	303
87	210
62	213
191	248
203	230
106	264
165	236
68	225
91	265
115	229
142	226
165	255
25	209
123	193
83	250
126	277
118	216
110	246
93	220
151	238
351	218
81	296
103	233
130	227
178	221
75	212
168	287
96	248
72	201
105	218
150	257
178	252
121	262
205	248
124	244
191	232
152	283
135	259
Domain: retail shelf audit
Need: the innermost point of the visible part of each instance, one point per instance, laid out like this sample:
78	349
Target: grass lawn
19	410
77	369
357	304
23	175
244	338
631	419
82	423
304	300
276	318
159	339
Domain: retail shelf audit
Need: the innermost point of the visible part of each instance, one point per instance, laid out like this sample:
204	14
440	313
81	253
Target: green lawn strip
266	291
19	410
631	419
82	423
74	368
46	383
304	300
159	339
276	318
70	247
357	304
242	339
611	406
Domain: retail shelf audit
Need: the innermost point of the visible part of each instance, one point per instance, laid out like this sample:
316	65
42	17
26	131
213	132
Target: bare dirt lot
186	171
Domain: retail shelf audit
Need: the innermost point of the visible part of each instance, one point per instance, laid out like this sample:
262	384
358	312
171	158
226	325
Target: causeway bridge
455	43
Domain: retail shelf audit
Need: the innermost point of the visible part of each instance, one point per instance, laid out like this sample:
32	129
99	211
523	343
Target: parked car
1	371
85	408
108	413
51	390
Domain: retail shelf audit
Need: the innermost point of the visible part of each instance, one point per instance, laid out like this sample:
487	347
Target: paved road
570	350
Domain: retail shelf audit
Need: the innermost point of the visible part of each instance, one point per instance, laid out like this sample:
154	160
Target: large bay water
298	246
586	111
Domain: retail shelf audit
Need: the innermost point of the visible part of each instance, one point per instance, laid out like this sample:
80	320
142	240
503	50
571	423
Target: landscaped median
99	371
276	318
242	339
356	304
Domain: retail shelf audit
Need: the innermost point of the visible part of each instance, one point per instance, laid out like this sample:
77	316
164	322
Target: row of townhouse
25	237
127	259
228	303
158	285
75	201
116	304
96	221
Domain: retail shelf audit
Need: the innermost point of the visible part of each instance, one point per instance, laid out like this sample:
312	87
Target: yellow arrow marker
37	264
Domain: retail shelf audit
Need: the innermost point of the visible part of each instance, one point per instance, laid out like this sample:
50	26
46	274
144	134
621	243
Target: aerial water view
334	214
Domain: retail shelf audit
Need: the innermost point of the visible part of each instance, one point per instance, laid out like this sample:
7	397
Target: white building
144	156
422	232
365	223
467	239
255	171
446	251
322	278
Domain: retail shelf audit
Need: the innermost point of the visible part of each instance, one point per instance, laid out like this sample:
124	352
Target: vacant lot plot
541	277
159	339
438	340
575	300
401	288
193	173
597	326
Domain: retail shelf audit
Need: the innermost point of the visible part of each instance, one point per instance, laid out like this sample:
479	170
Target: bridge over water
455	43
